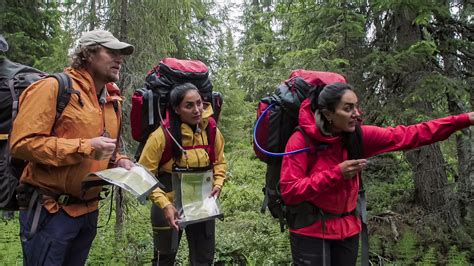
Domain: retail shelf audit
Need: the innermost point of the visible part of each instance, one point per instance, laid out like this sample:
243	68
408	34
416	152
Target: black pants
200	236
312	251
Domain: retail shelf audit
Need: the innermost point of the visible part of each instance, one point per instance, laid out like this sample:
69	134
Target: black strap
165	179
86	185
34	201
110	210
265	200
14	99
305	214
64	92
364	236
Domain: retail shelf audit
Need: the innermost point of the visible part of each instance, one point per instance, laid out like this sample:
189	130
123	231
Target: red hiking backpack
277	119
150	104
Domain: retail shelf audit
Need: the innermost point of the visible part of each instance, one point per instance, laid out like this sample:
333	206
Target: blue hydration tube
269	153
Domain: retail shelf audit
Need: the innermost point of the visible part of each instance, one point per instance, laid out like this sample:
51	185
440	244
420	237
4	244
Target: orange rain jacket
60	155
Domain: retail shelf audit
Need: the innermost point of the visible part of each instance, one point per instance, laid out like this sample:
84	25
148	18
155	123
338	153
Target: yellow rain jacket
198	157
60	155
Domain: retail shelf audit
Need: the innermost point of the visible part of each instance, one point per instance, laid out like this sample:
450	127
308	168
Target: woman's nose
356	112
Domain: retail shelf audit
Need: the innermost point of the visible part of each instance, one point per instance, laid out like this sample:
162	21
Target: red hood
112	89
307	122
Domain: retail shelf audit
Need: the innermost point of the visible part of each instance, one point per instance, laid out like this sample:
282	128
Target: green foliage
243	191
455	257
251	236
429	258
406	248
388	182
34	34
10	247
134	247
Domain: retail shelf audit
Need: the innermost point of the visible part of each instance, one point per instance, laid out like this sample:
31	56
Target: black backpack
14	79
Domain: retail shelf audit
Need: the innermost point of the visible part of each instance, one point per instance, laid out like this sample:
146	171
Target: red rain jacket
322	183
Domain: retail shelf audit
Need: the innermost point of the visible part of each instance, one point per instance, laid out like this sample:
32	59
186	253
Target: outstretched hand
351	168
471	117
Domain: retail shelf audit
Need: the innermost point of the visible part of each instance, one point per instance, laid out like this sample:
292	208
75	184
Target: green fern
456	258
406	248
429	258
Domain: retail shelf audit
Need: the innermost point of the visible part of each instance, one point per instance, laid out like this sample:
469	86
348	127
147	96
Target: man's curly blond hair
80	55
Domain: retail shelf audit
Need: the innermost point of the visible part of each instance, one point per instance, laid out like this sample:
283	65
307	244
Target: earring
330	121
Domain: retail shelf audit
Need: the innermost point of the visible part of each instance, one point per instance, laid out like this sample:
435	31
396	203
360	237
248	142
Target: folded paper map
138	180
192	198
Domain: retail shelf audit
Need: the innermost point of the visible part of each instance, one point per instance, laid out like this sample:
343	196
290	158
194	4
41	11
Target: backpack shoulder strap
211	131
64	92
308	142
168	151
14	99
211	138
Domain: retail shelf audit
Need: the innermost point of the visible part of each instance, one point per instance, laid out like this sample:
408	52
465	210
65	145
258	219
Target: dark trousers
200	236
316	251
59	239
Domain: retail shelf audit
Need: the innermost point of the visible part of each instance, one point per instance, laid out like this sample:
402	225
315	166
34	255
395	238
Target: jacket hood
83	77
307	122
208	112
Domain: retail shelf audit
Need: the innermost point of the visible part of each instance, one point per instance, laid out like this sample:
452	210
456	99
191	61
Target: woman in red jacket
329	177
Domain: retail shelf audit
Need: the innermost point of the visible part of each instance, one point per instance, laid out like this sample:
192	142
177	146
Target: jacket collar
307	122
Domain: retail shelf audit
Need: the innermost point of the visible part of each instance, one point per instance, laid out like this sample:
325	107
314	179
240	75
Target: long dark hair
176	97
327	98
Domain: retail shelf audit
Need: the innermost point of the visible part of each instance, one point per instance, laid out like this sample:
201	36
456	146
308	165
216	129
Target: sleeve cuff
86	148
337	174
463	121
219	182
159	198
120	157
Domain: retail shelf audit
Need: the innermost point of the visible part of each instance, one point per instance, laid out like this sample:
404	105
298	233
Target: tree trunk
119	207
427	162
92	16
431	184
452	66
120	199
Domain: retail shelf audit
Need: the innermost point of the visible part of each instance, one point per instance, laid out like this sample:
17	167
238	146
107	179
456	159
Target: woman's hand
216	191
171	215
351	168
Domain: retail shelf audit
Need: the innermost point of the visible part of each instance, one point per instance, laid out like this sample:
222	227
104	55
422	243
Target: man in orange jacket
62	151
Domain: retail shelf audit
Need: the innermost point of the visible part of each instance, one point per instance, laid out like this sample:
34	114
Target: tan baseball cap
105	39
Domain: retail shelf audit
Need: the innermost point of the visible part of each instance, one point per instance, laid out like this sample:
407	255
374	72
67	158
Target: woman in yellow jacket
188	121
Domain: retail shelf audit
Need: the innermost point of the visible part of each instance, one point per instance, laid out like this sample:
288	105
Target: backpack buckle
63	199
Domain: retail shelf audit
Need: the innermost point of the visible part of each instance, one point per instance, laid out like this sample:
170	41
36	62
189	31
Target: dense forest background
410	60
